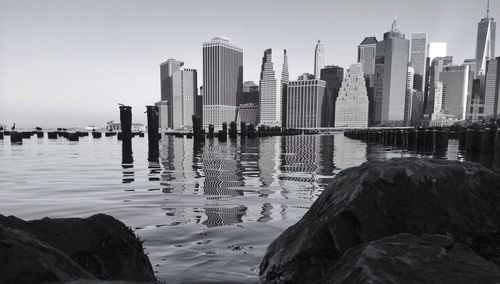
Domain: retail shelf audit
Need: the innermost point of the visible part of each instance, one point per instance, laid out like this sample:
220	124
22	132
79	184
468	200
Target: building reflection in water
127	162
226	174
269	161
222	169
349	153
224	216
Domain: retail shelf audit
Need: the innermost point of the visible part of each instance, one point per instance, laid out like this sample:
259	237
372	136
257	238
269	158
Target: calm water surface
206	211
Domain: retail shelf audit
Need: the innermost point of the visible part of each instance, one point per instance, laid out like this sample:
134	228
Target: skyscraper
366	56
457	86
434	49
418	59
222	81
248	109
351	108
333	76
273	84
436	67
409	95
178	92
492	101
391	63
304	103
485	45
319	59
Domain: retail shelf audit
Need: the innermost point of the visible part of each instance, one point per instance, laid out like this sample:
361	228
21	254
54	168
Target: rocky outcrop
406	258
25	259
381	199
100	245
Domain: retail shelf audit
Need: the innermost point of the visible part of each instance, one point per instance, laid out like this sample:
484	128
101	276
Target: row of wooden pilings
432	141
232	132
17	137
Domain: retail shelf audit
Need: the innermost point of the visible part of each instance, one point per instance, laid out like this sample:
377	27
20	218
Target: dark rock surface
100	244
24	259
383	198
406	258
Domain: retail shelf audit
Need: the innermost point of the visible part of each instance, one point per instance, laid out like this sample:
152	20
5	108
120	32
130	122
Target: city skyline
71	64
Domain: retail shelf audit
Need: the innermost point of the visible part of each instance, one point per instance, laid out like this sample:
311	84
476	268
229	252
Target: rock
25	259
406	258
384	198
100	244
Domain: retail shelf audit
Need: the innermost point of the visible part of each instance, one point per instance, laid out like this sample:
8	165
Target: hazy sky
69	63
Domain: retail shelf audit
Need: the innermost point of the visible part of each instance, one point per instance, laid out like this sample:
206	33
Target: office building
273	83
162	114
391	63
417	108
222	81
367	50
485	44
410	74
434	49
418	59
492	89
457	86
319	59
305	102
351	108
179	90
333	76
436	67
250	93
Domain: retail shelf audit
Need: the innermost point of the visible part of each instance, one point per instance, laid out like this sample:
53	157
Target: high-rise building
222	81
305	102
492	100
319	59
367	50
457	86
248	109
179	90
418	59
434	49
410	74
351	108
250	93
391	63
436	67
417	108
333	76
485	45
273	83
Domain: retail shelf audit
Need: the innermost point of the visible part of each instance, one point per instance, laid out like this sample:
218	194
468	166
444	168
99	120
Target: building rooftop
369	40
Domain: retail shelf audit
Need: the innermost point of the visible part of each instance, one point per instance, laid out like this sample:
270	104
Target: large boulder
25	259
100	244
406	258
384	198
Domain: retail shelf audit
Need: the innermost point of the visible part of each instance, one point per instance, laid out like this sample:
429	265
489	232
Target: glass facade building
222	81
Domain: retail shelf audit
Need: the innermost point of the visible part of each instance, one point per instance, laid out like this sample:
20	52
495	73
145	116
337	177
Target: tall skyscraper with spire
273	84
485	45
222	81
391	66
319	59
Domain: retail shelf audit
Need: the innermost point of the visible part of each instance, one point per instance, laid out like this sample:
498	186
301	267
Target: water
207	212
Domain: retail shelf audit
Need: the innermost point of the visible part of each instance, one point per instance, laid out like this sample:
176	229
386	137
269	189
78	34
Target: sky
67	63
